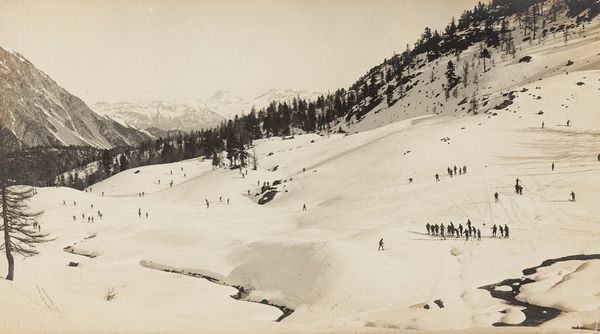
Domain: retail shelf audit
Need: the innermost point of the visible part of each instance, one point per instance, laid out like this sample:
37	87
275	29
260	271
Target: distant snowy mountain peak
229	110
225	97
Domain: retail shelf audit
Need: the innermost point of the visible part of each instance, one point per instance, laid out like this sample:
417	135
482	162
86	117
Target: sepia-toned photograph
300	166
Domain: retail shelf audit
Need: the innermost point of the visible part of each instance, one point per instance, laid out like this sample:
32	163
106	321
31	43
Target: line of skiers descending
468	232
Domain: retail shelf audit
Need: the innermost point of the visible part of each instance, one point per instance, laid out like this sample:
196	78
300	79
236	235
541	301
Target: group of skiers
90	218
220	201
504	231
451	231
456	171
140	213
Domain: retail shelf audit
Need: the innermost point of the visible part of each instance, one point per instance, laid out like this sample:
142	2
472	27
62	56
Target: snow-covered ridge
40	112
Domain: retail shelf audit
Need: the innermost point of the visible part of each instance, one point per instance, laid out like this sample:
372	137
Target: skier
450	170
427	226
496	197
451	173
380	245
304	208
442	231
572	196
171	172
410	180
454	169
501	230
92	206
494	229
506	231
158	181
92	219
74	203
64	202
88	220
74	218
437	177
146	215
171	184
207	204
140	212
227	200
553	166
517	181
542	125
459	171
464	169
220	198
568	123
478	234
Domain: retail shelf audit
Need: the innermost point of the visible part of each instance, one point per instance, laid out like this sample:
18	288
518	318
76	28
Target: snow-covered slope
324	263
562	43
40	112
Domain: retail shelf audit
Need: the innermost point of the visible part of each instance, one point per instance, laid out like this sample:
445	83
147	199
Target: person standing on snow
304	207
553	166
380	245
506	231
437	177
494	230
572	196
496	197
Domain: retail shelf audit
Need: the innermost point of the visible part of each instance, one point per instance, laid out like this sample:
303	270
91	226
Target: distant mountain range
36	111
193	114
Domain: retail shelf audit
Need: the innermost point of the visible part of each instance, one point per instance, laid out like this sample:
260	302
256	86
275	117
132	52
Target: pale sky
171	50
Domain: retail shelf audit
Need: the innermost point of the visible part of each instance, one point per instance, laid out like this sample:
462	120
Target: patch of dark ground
535	315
